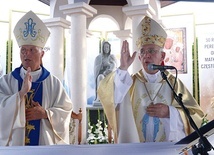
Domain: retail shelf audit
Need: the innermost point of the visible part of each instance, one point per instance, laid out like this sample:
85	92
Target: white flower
97	133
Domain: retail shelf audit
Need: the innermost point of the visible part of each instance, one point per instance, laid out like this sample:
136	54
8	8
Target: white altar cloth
161	148
99	149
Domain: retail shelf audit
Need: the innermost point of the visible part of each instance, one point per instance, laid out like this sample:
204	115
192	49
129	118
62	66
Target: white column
77	56
137	13
123	35
57	26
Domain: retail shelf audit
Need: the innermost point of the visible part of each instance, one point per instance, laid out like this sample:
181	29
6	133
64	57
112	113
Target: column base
97	104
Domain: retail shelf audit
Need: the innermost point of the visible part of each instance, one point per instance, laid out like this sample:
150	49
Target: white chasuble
56	102
147	128
125	101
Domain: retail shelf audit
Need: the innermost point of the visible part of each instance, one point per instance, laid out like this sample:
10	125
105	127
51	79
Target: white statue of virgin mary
104	64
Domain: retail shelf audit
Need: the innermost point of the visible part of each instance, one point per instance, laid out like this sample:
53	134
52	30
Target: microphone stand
204	145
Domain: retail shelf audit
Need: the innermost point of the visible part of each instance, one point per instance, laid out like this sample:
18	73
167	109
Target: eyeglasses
31	50
150	51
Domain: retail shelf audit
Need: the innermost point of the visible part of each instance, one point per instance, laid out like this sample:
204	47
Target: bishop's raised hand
126	59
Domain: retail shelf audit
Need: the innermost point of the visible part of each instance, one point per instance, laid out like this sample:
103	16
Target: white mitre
150	33
30	30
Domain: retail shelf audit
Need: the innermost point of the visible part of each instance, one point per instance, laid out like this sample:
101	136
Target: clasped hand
36	112
159	110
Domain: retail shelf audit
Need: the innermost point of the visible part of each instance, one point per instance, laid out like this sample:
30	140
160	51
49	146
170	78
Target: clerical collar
35	74
152	77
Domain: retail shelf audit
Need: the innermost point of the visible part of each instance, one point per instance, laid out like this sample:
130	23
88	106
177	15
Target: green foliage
195	72
204	121
9	53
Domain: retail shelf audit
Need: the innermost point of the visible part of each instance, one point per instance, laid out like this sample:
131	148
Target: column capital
89	34
58	21
81	8
123	34
145	9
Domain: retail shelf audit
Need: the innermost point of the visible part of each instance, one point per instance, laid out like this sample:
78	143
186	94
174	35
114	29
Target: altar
99	149
161	148
183	147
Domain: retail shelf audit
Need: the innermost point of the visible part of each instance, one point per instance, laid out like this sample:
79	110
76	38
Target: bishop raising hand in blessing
141	107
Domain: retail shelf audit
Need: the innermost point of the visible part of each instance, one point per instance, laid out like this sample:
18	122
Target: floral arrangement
97	133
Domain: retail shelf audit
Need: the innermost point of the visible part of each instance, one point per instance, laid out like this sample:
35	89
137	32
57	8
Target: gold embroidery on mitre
146	38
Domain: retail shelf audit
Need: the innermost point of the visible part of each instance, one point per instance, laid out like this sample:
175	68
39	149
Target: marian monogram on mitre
30	30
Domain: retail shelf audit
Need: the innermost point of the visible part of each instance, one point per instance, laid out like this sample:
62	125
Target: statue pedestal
97	104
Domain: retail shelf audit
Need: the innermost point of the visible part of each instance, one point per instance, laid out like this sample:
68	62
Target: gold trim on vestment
106	95
104	92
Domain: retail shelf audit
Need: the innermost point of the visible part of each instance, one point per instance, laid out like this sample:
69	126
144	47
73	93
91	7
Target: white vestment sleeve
174	127
12	113
128	132
122	83
55	129
20	117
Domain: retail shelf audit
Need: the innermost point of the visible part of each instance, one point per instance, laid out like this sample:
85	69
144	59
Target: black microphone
159	67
